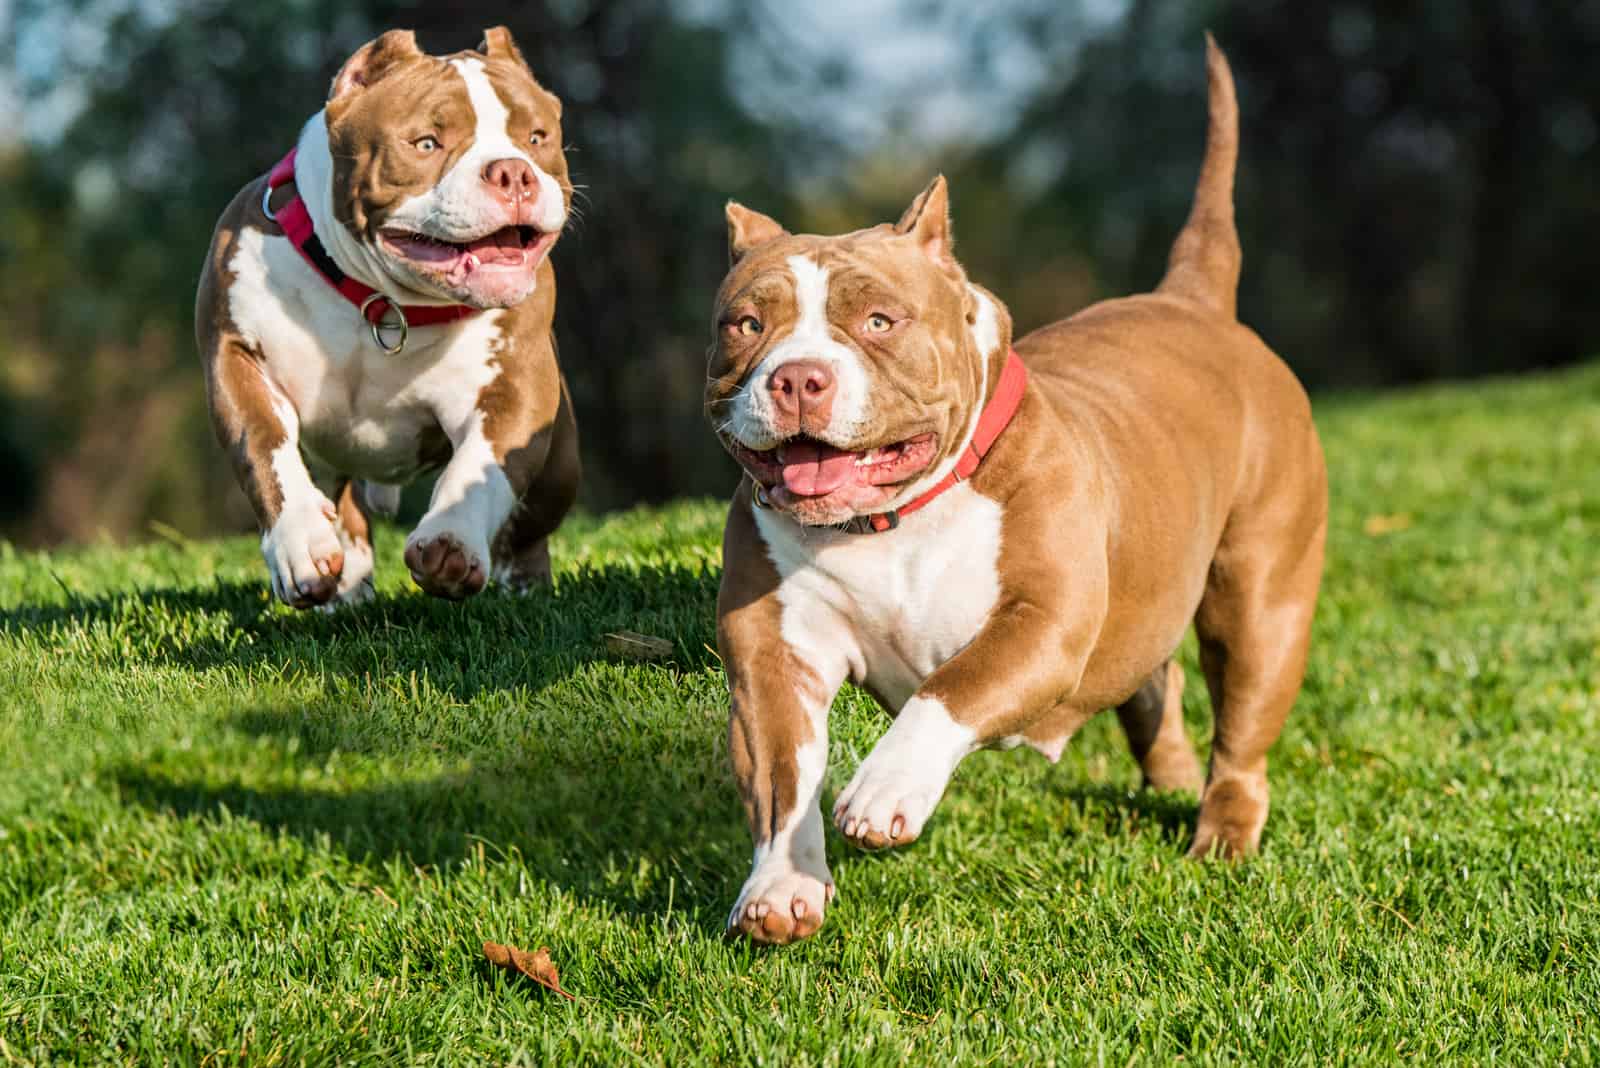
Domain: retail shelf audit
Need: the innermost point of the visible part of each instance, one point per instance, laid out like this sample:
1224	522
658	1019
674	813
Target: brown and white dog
380	306
1153	464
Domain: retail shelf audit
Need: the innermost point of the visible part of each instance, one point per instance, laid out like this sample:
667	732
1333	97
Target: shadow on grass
631	824
1120	812
483	642
622	811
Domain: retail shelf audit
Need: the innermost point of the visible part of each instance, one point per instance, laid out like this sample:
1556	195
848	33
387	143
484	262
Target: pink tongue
501	246
812	469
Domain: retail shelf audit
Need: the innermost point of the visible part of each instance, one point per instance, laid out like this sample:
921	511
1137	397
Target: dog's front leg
260	429
777	742
1022	662
449	551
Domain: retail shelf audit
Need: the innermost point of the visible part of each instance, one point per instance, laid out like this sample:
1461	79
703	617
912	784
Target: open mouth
804	469
513	248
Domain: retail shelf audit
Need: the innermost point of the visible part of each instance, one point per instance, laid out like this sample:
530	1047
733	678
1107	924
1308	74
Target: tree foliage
1416	195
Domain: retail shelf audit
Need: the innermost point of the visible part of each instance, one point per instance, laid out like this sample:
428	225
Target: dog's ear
372	61
498	44
928	221
747	229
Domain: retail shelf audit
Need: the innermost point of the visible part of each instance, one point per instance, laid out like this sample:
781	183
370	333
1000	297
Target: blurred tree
1416	192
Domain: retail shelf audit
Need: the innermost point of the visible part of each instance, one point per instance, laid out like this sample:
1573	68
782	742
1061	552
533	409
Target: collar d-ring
266	202
385	323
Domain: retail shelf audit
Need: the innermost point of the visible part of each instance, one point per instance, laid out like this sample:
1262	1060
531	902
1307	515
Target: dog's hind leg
521	550
1254	624
1153	721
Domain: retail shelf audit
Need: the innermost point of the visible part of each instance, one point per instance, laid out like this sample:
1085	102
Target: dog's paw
304	555
896	788
886	806
447	563
780	904
356	580
1232	813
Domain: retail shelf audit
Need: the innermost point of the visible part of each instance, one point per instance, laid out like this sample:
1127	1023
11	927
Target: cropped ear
747	229
928	220
498	44
372	61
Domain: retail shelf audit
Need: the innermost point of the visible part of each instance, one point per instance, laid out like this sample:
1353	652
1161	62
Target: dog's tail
1204	263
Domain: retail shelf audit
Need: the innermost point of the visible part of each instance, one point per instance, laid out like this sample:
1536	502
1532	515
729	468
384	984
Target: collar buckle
383	322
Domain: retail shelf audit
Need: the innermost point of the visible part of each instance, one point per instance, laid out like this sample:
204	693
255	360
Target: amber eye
748	325
878	323
426	144
537	137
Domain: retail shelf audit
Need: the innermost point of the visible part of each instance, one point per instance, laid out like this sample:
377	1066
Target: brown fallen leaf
536	966
1378	525
638	646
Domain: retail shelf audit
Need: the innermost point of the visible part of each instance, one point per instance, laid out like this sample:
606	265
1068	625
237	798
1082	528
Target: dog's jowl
380	306
999	540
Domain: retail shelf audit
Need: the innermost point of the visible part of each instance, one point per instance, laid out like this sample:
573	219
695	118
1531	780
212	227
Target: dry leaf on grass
536	966
636	646
1378	525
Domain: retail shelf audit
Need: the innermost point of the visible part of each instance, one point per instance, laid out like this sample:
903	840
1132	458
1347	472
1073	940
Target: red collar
295	221
994	418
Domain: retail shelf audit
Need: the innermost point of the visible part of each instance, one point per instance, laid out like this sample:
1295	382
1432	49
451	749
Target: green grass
233	833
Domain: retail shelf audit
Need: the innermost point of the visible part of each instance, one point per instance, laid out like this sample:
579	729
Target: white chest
887	609
360	410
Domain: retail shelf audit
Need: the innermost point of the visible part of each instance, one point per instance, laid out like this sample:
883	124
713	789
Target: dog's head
448	170
848	372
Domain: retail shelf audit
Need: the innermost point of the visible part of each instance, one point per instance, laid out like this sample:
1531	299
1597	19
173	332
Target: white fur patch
896	788
359	411
461	206
754	420
985	328
888	609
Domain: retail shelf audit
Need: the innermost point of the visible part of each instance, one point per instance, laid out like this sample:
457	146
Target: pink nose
803	390
512	179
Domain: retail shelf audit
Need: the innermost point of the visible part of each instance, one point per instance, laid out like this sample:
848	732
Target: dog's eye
878	323
427	144
537	137
748	325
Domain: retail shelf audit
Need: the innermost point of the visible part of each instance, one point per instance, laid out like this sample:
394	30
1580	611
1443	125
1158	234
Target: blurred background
1419	194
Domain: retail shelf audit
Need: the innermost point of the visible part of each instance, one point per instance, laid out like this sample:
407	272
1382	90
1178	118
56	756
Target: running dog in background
380	306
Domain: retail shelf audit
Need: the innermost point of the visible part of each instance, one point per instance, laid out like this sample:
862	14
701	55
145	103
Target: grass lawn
234	833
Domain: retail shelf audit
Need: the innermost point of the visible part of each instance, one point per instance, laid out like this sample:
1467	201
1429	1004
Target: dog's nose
803	390
512	179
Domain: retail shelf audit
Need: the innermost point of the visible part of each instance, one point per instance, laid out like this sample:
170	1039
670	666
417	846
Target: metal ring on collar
266	203
405	327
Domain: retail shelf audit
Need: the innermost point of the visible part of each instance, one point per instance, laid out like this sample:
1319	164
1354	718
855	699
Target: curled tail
1204	263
